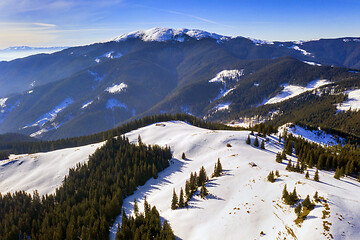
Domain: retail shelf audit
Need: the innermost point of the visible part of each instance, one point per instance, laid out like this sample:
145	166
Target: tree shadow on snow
212	196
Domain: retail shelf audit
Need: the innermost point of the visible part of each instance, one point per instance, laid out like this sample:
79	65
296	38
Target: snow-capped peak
160	34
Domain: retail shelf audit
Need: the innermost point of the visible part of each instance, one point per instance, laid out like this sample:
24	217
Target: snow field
242	203
291	91
41	171
353	101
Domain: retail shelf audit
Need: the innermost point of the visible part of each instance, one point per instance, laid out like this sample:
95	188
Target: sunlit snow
2	102
291	91
352	103
117	88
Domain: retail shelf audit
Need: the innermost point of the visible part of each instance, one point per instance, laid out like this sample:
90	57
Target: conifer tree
306	203
174	202
337	173
187	190
256	142
252	132
262	145
181	199
298	209
271	177
278	158
307	175
289	165
183	156
316	176
136	208
219	166
203	191
285	193
277	173
202	176
248	141
139	140
316	197
283	155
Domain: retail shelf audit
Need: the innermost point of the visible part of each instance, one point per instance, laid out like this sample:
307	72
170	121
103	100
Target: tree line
90	197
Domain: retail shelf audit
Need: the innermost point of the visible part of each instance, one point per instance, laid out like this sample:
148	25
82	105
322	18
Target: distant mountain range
87	89
12	53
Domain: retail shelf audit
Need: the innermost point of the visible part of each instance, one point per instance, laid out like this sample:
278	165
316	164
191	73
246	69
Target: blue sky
78	22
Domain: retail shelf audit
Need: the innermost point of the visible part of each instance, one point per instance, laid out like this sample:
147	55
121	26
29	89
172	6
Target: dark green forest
90	198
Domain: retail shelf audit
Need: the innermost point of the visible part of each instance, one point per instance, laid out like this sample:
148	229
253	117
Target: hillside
241	201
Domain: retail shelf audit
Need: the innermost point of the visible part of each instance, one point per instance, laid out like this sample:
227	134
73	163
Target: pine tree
219	166
183	156
256	142
202	176
316	197
277	173
187	191
248	141
307	203
203	191
289	165
262	145
136	208
139	140
285	193
181	199
278	158
337	173
316	176
271	177
252	132
174	202
283	155
307	175
298	209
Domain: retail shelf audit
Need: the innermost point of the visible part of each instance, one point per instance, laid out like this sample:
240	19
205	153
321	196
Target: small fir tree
203	191
283	155
285	193
307	203
252	132
316	196
136	208
202	176
278	158
248	141
277	173
316	176
174	202
298	209
219	166
307	175
181	199
262	144
256	142
183	156
337	173
271	177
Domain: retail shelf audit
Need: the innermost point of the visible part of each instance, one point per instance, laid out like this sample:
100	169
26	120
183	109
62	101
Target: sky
77	22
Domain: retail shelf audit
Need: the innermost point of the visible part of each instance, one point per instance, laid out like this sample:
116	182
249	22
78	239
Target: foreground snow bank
41	171
241	203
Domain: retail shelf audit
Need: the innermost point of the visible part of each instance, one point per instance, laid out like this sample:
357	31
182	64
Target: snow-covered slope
241	203
291	91
160	34
353	101
317	136
41	171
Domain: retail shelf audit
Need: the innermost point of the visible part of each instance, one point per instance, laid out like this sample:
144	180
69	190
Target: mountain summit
161	34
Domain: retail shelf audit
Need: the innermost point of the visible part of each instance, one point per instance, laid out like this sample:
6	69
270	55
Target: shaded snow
167	34
352	103
117	88
291	91
222	106
114	103
241	201
109	55
41	171
97	77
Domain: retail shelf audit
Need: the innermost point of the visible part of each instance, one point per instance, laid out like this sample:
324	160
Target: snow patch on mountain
297	48
169	34
227	75
312	63
222	106
351	40
117	88
314	135
241	202
41	171
260	42
109	55
2	102
86	104
352	103
51	115
291	91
